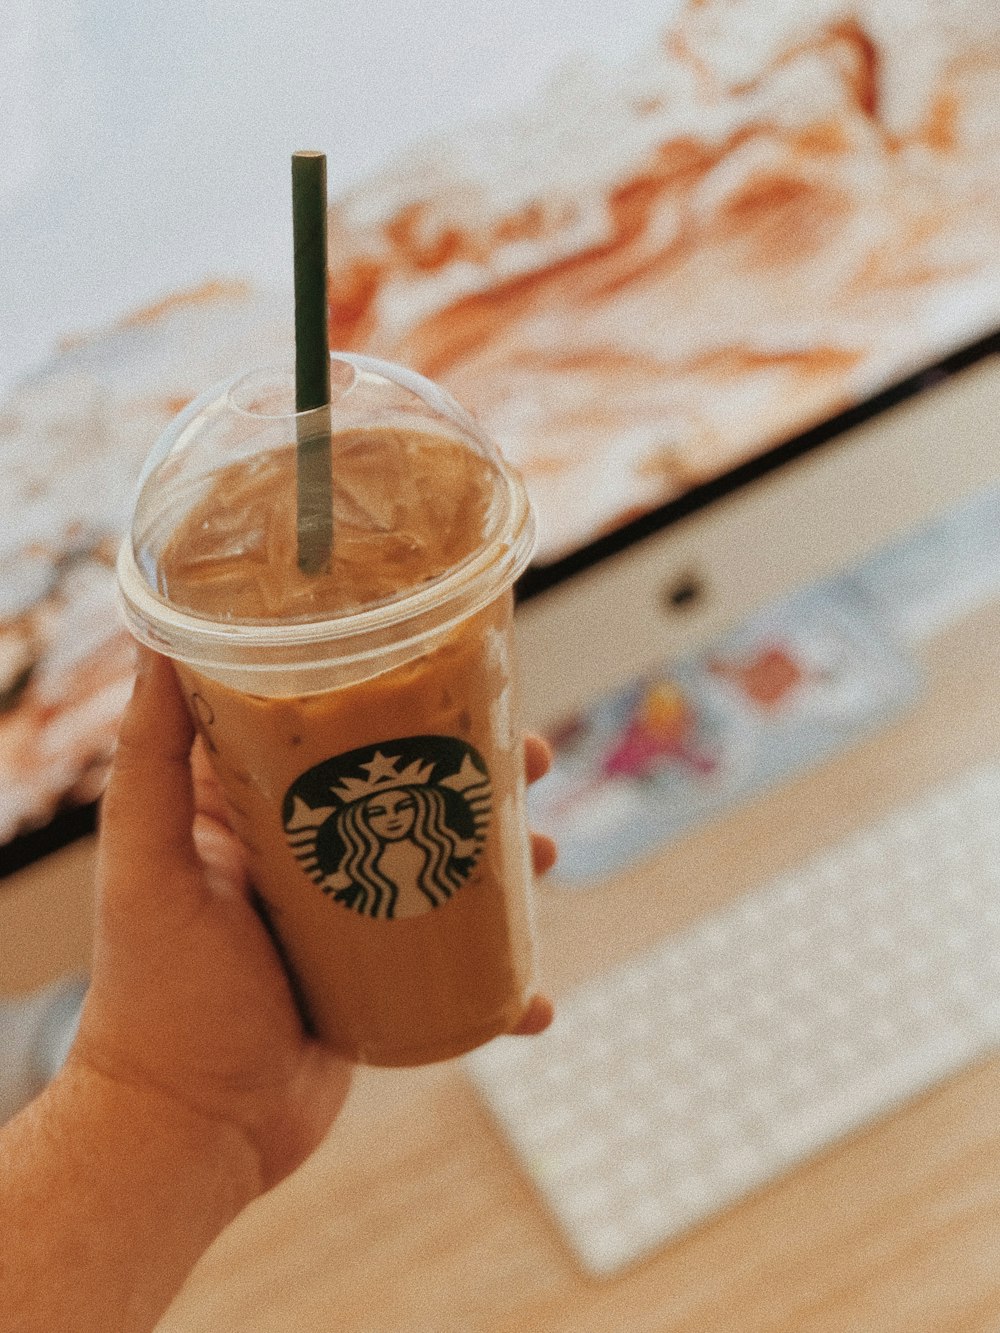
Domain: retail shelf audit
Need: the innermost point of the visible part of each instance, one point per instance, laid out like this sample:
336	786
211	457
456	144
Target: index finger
537	757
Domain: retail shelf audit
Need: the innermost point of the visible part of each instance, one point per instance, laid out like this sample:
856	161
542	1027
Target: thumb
148	807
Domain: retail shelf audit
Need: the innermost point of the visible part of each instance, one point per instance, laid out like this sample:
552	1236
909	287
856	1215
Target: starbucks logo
391	830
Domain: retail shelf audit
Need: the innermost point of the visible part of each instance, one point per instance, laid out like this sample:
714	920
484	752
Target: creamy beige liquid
396	880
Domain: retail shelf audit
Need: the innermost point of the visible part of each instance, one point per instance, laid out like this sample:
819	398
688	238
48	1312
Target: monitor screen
644	278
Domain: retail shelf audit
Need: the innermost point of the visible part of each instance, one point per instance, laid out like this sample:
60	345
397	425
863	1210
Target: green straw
314	464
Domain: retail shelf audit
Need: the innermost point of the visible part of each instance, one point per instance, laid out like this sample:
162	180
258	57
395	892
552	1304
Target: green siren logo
391	830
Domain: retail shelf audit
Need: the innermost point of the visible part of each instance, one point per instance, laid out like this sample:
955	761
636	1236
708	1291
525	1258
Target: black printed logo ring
391	830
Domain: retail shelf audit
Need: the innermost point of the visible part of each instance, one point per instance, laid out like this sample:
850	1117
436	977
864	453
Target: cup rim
457	595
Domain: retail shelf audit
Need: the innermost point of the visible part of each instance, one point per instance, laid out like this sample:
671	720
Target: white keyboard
670	1088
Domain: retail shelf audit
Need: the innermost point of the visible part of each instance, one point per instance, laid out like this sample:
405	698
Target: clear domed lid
422	502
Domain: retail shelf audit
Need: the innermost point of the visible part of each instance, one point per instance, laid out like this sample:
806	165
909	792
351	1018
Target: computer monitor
732	307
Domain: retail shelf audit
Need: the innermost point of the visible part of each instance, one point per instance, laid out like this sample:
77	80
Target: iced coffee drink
361	720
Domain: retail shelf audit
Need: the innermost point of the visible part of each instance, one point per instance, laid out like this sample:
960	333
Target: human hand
188	997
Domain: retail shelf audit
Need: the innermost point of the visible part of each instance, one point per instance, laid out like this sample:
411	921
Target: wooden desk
413	1217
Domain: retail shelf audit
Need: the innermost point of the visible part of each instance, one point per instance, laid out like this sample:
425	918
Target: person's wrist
127	1187
183	1175
215	1154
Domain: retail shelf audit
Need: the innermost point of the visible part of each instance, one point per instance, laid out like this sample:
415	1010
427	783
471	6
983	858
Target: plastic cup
363	724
